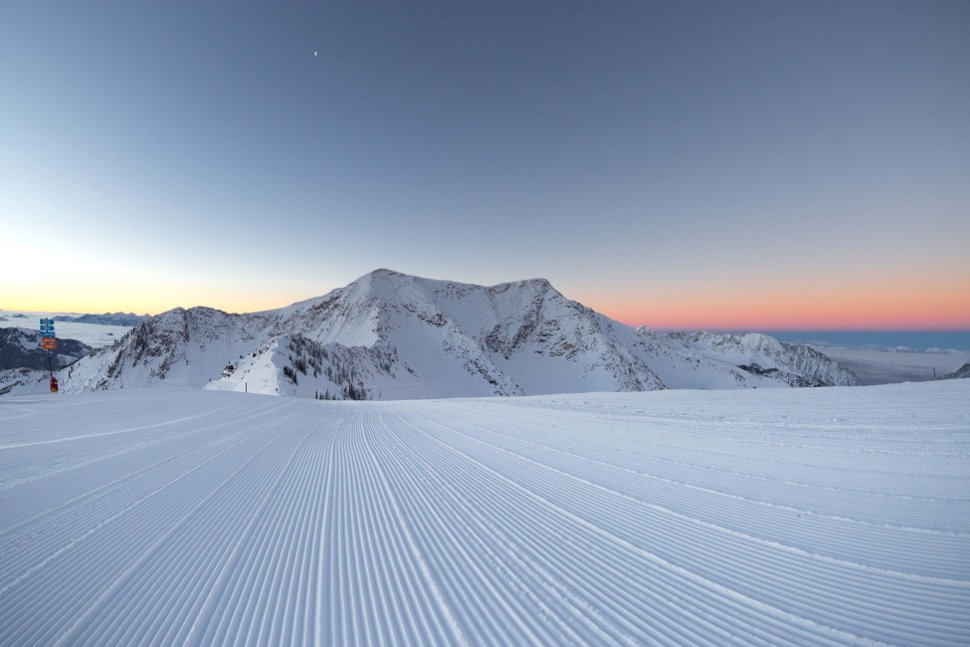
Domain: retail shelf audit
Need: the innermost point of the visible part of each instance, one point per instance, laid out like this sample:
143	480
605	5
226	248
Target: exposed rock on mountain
711	360
392	336
960	373
20	348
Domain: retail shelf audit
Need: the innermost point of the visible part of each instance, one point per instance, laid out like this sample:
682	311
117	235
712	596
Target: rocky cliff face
393	336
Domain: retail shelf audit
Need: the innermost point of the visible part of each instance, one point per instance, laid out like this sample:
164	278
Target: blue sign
47	327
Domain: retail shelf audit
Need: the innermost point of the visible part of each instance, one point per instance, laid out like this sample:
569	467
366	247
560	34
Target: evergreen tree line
337	364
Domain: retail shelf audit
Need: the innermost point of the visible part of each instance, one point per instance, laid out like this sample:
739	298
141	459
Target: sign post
48	342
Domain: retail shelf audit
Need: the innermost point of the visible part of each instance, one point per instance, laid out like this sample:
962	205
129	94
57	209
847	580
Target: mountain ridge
20	348
108	318
390	335
961	373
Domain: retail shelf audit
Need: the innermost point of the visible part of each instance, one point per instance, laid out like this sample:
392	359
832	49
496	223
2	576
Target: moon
315	53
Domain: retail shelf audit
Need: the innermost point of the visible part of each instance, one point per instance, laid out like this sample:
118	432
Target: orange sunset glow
882	306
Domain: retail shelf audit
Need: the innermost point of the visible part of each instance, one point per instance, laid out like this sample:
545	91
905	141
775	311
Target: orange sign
48	343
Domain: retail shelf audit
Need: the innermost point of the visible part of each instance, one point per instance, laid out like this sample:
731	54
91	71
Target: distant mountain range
107	319
392	336
20	348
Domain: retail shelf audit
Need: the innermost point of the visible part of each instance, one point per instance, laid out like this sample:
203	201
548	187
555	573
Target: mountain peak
383	276
536	283
384	273
389	335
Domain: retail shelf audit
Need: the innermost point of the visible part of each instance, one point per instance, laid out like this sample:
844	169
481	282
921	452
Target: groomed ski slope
769	517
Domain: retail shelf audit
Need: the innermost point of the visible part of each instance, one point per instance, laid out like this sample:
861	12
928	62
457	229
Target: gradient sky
682	164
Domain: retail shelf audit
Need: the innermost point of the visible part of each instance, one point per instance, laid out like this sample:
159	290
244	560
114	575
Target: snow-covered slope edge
392	336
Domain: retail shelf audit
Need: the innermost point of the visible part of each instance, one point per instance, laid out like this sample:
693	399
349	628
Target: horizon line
890	328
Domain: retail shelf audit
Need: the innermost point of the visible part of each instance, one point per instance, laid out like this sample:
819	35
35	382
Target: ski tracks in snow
208	518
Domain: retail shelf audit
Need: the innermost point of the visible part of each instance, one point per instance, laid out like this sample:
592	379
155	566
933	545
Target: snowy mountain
392	336
107	319
20	348
710	360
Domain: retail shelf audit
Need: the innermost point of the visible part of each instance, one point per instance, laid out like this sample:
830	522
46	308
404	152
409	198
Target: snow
876	365
173	516
95	335
388	336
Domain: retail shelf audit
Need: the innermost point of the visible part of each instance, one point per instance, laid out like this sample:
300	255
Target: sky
720	165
